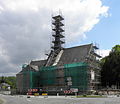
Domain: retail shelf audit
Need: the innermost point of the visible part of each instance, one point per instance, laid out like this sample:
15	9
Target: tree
11	80
2	80
110	73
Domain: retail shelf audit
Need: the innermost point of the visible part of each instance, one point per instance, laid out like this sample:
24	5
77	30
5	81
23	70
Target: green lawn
1	102
90	96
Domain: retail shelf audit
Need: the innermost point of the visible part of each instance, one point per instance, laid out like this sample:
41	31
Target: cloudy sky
25	28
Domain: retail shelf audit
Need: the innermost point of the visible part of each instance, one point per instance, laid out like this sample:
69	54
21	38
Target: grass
1	101
90	96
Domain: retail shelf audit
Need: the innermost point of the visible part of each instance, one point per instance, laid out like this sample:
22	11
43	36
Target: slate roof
74	54
38	63
69	56
28	68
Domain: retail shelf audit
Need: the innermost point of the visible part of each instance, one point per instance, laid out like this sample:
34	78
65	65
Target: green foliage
116	49
102	61
9	80
110	74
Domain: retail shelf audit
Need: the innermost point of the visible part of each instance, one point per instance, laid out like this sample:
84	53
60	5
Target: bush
84	95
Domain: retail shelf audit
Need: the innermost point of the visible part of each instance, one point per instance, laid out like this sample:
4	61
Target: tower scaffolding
57	38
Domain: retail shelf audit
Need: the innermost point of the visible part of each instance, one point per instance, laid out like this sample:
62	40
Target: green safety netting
77	72
30	79
50	76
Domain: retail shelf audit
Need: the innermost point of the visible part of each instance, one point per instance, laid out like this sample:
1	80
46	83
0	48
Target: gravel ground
58	100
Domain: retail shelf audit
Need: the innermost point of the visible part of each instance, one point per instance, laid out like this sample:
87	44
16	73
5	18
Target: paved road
58	100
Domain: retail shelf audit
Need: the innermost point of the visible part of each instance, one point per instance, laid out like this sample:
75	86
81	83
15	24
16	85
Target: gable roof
74	54
29	67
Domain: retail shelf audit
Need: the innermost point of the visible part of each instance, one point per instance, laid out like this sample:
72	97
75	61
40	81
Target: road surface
58	100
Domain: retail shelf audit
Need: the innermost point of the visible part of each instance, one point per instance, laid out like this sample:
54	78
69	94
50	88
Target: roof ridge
79	46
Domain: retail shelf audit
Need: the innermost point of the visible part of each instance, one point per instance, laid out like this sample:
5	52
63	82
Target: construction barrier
44	94
68	91
36	94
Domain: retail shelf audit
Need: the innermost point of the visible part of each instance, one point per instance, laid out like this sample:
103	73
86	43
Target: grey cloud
26	37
